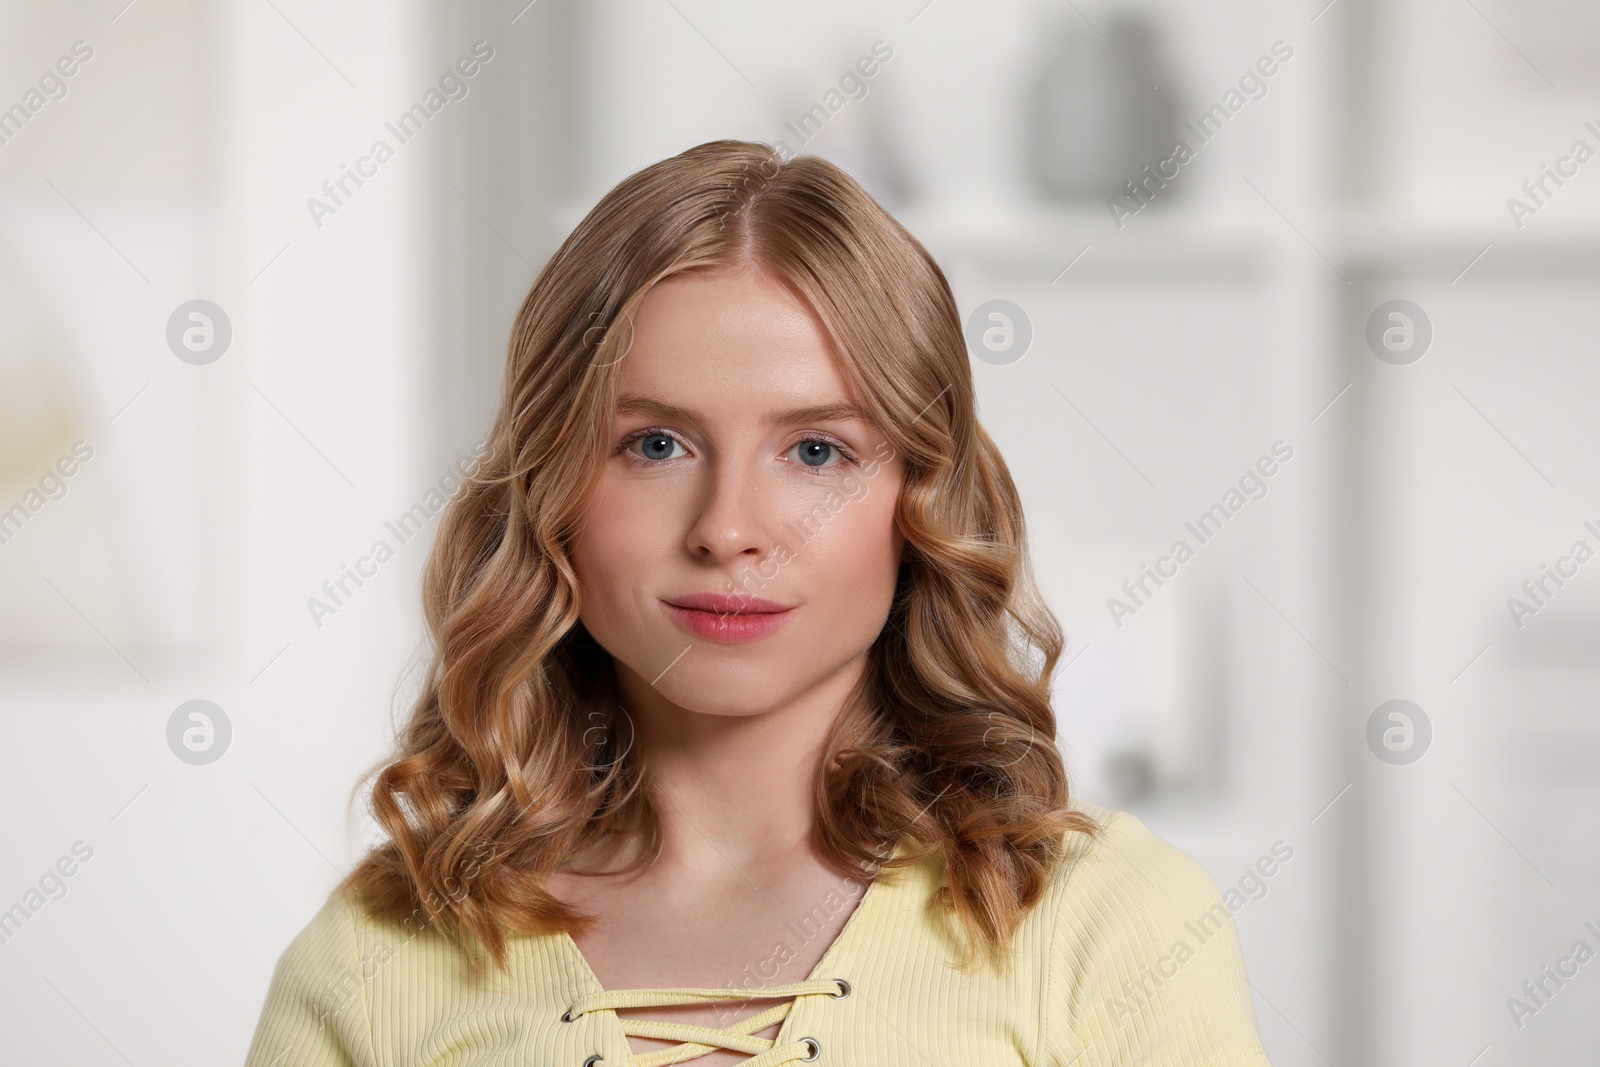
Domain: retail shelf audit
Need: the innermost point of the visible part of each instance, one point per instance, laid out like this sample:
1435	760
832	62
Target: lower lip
728	629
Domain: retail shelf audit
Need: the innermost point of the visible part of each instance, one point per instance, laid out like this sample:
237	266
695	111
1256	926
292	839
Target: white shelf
1039	241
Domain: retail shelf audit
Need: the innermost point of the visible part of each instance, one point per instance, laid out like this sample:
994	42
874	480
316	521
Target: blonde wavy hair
517	755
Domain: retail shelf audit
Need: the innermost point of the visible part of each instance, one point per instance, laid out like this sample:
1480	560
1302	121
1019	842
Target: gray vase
1095	120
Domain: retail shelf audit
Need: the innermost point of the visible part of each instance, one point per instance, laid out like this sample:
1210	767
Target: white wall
217	500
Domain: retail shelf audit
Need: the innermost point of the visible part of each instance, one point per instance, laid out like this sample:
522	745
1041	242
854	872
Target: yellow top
1130	958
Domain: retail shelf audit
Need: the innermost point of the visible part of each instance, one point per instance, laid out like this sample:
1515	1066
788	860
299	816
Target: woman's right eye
654	446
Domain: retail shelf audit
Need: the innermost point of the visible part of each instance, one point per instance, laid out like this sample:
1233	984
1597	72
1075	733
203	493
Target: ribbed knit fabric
1131	958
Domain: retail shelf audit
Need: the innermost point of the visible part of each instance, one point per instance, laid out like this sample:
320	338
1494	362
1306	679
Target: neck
736	789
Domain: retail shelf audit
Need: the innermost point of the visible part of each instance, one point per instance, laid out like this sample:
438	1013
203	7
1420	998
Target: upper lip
723	604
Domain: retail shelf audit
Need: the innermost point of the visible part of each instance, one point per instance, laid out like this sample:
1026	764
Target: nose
731	520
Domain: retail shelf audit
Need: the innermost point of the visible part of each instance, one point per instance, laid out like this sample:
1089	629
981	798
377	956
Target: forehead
730	338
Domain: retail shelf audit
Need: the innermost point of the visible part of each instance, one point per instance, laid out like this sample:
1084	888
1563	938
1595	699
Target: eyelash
657	431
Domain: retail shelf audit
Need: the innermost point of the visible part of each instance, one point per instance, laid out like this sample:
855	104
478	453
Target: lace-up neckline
696	1041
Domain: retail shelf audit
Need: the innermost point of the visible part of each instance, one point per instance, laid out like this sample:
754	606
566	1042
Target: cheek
590	547
855	553
619	541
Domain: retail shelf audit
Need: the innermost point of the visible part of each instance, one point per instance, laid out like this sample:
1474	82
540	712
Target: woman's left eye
814	452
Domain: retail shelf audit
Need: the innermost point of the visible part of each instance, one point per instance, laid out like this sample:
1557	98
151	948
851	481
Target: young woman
736	745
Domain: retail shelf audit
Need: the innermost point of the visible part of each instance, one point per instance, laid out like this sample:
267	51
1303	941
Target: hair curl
948	743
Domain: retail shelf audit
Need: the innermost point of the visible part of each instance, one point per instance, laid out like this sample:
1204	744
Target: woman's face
726	476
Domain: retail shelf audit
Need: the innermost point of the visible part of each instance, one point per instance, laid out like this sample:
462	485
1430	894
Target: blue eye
814	452
656	446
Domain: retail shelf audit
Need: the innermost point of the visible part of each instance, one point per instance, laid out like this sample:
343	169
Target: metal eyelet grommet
816	1049
592	1060
844	989
566	1016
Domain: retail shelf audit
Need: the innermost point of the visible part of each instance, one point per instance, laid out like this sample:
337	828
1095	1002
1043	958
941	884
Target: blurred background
1340	345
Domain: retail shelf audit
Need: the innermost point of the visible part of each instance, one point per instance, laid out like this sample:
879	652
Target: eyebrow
639	404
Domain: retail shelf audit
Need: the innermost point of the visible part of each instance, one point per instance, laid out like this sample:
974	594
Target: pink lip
728	620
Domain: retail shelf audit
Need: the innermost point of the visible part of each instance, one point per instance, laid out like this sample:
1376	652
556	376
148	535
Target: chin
726	693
